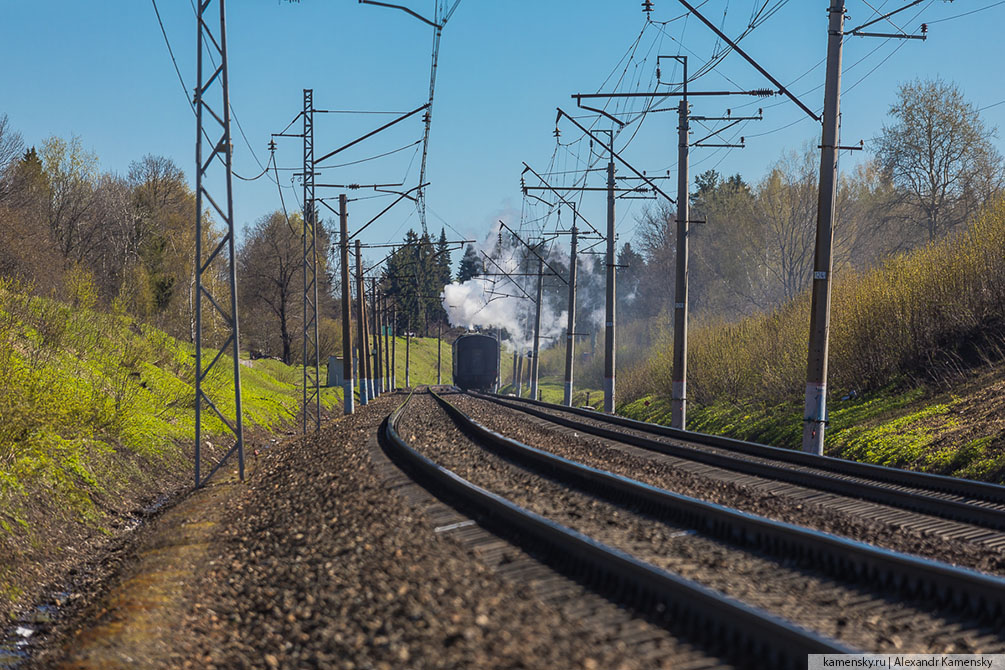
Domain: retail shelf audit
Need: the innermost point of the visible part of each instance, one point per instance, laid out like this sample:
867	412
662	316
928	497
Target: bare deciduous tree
270	263
11	148
939	153
72	174
786	210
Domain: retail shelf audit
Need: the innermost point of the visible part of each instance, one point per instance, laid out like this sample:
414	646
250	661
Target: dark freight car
476	361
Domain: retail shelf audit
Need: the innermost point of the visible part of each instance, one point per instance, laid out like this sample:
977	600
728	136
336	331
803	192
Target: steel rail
879	489
751	636
956	588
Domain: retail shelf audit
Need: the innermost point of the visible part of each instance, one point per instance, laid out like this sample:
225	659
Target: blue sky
102	71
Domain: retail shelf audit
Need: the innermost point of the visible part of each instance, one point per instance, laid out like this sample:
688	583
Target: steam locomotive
476	361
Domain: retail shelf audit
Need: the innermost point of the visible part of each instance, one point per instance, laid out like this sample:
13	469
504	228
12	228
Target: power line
174	62
184	88
972	11
877	66
256	177
355	111
282	200
885	18
371	158
233	113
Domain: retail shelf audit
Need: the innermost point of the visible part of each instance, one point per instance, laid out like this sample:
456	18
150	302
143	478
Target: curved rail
750	633
969	488
888	486
954	587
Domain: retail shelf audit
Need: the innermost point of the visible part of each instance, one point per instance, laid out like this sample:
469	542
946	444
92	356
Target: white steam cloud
498	302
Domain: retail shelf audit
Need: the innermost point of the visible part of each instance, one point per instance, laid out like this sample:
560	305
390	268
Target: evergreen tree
415	278
443	259
471	265
407	281
428	285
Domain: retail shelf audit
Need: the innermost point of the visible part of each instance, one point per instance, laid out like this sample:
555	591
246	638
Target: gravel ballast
322	566
844	613
659	470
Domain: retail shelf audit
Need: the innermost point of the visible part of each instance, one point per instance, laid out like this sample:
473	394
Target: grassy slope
97	419
553	390
923	322
422	364
960	433
423	371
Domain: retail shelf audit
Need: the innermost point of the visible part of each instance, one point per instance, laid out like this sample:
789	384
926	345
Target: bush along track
916	363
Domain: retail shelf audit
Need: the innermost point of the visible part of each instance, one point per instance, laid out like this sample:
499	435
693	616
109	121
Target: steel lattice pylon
217	166
311	392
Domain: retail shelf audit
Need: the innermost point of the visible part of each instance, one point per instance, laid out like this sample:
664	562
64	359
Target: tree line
933	166
69	231
127	242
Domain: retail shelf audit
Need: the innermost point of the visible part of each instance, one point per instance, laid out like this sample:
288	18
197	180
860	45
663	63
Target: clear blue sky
102	71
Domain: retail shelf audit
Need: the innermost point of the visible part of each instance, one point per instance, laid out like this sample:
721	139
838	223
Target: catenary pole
385	355
535	363
364	397
221	154
408	353
311	351
343	220
498	379
520	375
609	307
679	375
439	351
394	342
377	374
368	348
570	335
816	369
387	343
512	380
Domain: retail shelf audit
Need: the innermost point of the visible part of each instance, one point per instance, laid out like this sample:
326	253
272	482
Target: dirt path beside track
315	562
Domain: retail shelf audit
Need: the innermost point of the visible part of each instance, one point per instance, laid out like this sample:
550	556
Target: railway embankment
958	432
916	363
96	419
327	556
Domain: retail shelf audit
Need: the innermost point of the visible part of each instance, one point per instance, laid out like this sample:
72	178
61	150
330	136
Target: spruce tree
471	265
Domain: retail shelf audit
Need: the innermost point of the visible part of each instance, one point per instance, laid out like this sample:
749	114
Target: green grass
554	392
907	429
919	322
98	407
422	361
423	371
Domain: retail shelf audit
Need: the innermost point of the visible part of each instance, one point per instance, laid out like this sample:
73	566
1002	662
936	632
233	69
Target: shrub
923	316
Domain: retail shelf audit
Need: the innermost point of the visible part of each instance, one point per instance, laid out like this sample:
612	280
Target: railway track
680	559
950	508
